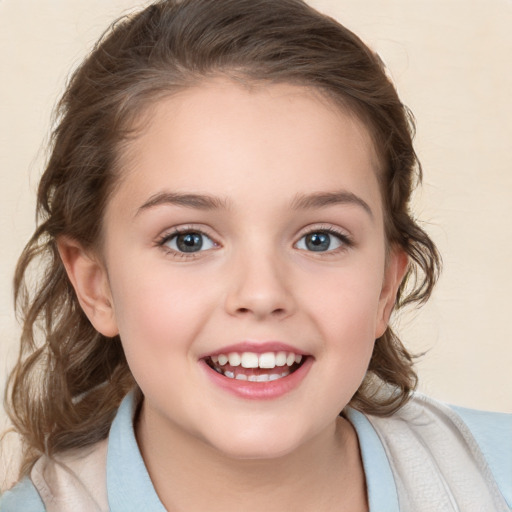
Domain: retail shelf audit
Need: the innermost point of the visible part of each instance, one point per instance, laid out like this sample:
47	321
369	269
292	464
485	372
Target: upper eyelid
330	228
207	231
179	230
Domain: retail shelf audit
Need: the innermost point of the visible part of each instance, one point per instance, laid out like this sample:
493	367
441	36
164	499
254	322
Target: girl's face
248	227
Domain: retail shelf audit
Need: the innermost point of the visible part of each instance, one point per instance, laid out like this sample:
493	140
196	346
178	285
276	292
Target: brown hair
69	379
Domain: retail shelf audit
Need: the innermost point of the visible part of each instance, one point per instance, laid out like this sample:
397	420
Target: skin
256	151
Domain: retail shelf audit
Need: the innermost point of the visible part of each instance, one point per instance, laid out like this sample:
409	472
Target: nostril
275	312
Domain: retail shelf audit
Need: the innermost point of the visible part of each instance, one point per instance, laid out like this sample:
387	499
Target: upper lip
256	347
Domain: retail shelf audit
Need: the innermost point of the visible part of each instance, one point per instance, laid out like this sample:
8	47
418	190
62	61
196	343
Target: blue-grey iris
189	242
318	241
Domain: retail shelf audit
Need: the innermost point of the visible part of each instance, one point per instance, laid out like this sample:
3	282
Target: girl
225	231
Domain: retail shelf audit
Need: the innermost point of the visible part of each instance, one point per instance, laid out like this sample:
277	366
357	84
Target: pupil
318	241
189	242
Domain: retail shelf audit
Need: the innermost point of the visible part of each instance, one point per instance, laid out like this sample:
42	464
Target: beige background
452	63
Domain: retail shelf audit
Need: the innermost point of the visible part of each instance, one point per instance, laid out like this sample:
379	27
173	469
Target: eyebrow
324	199
197	201
208	202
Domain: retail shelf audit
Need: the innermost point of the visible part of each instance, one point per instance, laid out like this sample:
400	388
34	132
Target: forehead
226	139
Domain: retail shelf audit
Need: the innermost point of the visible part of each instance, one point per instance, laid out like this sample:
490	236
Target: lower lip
260	390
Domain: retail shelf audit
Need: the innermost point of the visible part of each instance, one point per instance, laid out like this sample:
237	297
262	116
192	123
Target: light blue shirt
129	486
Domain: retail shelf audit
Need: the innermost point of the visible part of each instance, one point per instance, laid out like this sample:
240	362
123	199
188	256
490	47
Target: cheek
345	309
157	312
347	300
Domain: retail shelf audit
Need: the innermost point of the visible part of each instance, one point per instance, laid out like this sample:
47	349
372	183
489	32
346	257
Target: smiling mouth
253	367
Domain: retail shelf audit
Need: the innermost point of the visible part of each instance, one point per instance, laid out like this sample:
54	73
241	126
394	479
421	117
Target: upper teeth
253	360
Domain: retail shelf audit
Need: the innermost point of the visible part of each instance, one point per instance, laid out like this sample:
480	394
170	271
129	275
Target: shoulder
75	480
490	429
493	433
484	437
23	497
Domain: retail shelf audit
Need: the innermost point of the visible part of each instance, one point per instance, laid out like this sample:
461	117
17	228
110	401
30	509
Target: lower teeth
264	377
254	377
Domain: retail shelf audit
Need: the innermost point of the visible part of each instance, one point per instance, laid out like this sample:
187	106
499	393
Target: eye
188	242
322	241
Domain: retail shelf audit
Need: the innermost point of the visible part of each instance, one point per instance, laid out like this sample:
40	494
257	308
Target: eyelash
167	237
345	241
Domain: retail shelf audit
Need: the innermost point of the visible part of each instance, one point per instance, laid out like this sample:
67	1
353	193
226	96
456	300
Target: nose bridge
259	283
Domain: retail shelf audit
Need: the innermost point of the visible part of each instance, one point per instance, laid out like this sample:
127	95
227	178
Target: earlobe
89	279
397	265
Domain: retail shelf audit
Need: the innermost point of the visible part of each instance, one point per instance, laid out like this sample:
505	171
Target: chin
256	444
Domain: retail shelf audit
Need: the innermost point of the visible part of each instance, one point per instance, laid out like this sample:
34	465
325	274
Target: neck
189	475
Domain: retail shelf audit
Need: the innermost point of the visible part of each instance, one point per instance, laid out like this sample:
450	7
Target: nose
259	288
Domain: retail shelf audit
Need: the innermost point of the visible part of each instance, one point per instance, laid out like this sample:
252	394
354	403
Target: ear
396	267
90	281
